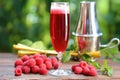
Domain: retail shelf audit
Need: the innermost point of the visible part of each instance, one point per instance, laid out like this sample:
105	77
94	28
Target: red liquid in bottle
59	29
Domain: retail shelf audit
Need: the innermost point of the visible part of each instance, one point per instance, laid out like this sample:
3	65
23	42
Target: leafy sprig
66	57
110	52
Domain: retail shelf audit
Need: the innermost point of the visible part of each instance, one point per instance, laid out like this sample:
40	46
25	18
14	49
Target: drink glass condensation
59	31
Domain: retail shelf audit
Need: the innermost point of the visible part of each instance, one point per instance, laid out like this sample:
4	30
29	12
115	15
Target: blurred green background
29	19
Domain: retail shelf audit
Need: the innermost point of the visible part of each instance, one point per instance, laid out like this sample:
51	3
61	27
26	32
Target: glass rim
59	2
87	2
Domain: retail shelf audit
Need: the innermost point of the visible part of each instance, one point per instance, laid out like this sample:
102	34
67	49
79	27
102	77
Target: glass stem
59	56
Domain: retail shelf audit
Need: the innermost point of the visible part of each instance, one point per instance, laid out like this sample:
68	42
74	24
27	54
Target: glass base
59	72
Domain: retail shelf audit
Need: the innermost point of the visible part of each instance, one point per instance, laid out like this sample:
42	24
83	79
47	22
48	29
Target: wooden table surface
7	71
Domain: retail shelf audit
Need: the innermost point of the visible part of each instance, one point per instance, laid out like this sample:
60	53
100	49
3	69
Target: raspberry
19	66
26	69
86	71
26	63
74	66
39	61
93	72
83	64
18	71
37	55
54	60
43	57
48	65
78	70
31	57
56	65
18	62
84	68
81	43
42	66
31	62
43	71
47	59
35	69
90	67
25	57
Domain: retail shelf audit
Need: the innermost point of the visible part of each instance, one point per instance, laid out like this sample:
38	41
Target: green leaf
26	42
71	45
116	59
38	45
87	58
97	65
66	57
107	70
105	63
110	52
110	71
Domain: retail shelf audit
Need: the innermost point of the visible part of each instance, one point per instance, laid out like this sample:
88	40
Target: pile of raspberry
37	64
84	68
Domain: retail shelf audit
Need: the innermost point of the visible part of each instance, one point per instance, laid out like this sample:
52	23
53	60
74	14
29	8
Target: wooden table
7	71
